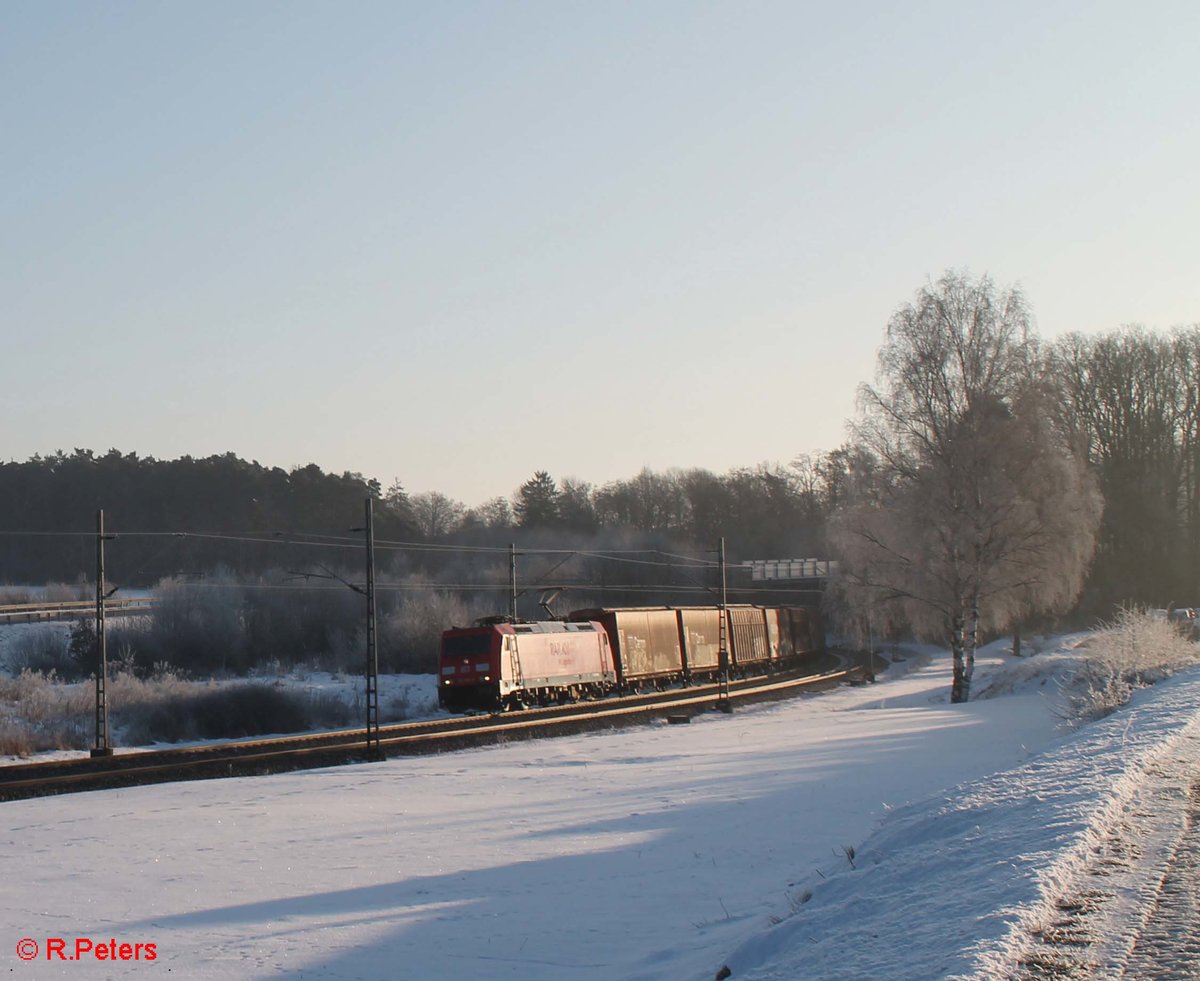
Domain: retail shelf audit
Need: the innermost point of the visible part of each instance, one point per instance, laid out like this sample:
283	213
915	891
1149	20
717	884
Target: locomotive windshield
466	645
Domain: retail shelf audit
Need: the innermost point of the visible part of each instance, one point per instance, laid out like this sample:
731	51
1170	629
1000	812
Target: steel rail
309	750
350	737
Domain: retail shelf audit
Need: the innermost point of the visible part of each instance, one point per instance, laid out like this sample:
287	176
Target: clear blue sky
453	243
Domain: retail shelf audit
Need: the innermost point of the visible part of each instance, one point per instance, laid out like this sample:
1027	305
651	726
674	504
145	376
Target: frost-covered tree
978	510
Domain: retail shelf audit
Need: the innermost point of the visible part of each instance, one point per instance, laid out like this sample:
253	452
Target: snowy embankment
883	831
970	883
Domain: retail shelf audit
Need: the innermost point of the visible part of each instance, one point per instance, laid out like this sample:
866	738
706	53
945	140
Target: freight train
499	664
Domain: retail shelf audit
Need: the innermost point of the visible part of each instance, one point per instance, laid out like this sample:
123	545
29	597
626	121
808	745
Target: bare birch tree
978	510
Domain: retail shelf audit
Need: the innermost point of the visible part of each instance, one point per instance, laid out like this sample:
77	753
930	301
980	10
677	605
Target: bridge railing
71	610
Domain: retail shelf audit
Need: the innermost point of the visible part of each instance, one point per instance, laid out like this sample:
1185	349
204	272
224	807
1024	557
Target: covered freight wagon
645	641
700	630
806	627
750	642
779	624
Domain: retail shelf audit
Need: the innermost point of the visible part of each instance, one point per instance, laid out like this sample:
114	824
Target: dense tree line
164	511
1133	399
768	510
251	563
161	508
977	448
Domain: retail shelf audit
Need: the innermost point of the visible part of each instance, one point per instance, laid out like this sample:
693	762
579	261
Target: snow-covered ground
871	832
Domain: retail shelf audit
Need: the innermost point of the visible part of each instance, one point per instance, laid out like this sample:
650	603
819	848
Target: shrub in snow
38	712
224	626
64	592
229	712
15	740
1135	650
46	652
13	595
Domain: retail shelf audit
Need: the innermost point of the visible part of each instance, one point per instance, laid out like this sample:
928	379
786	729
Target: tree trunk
970	642
960	688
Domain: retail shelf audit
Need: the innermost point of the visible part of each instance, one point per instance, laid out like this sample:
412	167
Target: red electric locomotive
510	665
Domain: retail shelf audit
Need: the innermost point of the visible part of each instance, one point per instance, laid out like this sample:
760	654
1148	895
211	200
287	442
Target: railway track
278	754
71	610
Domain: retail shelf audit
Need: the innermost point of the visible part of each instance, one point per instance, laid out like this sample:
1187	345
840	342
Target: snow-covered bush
39	712
11	595
67	592
223	626
45	652
15	740
52	592
410	636
1135	650
229	712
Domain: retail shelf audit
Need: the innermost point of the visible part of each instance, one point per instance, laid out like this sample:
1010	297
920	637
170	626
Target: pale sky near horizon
455	243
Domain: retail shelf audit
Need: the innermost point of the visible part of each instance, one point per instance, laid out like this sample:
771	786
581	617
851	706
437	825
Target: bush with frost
1136	649
41	712
45	650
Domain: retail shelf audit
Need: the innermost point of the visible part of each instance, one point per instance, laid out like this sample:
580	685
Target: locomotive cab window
468	646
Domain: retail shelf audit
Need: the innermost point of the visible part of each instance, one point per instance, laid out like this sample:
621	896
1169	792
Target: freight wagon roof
534	627
597	611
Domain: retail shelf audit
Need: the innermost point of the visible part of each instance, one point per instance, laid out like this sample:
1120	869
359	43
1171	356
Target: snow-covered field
872	832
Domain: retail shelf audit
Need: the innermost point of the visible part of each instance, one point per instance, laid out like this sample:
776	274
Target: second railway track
278	754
